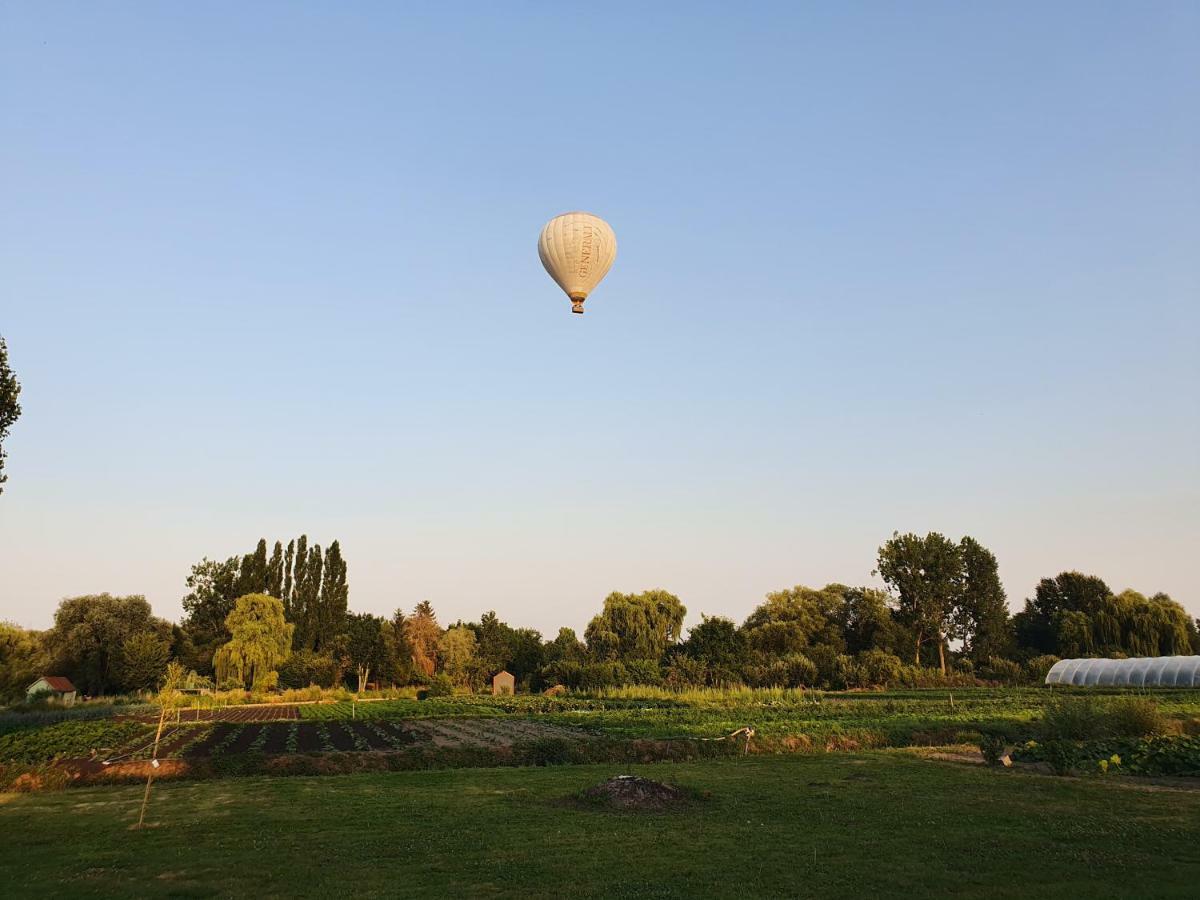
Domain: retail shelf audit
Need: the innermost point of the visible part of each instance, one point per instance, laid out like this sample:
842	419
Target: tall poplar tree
289	560
10	409
330	620
275	572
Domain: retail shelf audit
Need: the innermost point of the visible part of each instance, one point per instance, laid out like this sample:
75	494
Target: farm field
697	722
833	825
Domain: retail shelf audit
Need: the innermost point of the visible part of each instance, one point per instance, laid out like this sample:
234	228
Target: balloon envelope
577	250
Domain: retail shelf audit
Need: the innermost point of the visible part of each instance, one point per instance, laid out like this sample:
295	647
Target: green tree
1057	619
867	622
260	640
293	603
89	632
332	605
275	572
980	617
720	647
398	665
253	576
927	574
142	661
526	654
212	590
365	645
566	647
792	620
635	626
456	653
306	607
10	409
22	659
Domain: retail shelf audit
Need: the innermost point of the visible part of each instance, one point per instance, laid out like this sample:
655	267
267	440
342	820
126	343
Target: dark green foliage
212	591
992	745
10	409
1003	671
274	585
927	575
1082	718
439	686
75	738
333	602
366	647
980	617
1076	615
304	668
89	635
635	626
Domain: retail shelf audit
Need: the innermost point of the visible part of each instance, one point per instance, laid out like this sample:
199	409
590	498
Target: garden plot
485	733
274	712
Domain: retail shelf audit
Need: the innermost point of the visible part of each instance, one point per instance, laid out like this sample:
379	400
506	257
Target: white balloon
577	250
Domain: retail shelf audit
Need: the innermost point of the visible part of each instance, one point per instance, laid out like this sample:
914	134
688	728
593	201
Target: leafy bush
881	668
1036	669
1134	717
1060	755
642	671
440	686
305	668
1073	719
1005	671
992	748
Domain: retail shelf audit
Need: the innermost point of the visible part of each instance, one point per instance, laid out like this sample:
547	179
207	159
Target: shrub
880	667
642	671
1002	670
440	686
992	748
1036	669
849	673
1073	719
683	671
1134	717
595	676
1060	755
825	658
305	668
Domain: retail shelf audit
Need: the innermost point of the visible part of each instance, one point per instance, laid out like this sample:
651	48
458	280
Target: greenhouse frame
1147	671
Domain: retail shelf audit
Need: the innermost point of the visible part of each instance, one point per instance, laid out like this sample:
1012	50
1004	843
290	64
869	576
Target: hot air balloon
577	250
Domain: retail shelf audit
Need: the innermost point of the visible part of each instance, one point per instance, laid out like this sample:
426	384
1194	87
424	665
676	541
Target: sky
271	269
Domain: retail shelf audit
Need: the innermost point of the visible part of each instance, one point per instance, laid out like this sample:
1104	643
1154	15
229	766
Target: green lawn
835	825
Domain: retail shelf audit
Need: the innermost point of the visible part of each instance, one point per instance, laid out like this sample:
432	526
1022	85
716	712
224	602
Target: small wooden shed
504	683
56	685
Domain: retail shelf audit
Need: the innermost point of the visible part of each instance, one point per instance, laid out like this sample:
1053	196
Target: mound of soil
632	792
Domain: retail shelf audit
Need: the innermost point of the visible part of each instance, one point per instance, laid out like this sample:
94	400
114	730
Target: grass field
844	825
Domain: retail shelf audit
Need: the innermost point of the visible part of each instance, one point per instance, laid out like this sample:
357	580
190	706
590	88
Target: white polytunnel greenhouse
1146	671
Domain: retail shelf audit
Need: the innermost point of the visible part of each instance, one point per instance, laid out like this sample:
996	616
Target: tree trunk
917	655
942	653
363	673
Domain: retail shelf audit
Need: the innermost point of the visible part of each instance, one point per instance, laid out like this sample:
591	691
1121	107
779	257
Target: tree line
280	619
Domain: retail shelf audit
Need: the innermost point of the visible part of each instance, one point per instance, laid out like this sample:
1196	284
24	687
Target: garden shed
56	685
504	683
1145	671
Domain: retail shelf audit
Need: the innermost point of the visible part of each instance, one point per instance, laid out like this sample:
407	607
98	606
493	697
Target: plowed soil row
360	736
275	712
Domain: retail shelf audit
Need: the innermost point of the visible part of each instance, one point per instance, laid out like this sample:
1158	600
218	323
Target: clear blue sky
271	268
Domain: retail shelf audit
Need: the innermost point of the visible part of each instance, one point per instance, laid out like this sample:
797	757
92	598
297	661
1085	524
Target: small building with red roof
55	685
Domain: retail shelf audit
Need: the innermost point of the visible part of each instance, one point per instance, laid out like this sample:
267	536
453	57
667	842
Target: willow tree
636	626
261	639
